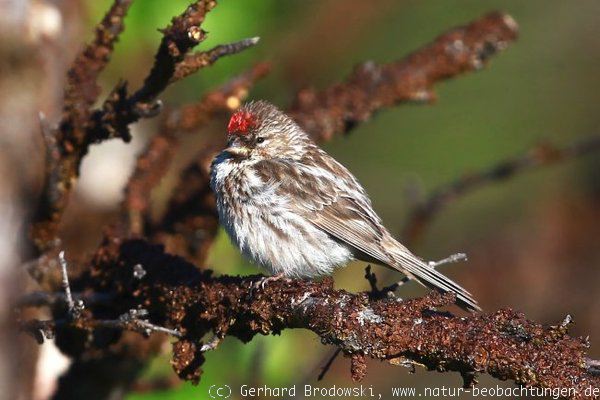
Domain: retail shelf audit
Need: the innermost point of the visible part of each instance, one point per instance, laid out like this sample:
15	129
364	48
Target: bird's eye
260	140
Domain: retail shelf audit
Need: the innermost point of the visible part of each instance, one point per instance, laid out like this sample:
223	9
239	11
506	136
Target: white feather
282	242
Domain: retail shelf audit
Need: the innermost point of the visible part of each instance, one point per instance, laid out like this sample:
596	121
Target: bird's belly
286	243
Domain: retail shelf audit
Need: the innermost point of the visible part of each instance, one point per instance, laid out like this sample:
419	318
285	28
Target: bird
294	210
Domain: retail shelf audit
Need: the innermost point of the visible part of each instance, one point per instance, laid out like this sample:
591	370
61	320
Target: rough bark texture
178	295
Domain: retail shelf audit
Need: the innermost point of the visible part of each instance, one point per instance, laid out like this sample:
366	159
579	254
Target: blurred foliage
545	87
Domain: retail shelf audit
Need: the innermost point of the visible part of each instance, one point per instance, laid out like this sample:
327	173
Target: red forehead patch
241	122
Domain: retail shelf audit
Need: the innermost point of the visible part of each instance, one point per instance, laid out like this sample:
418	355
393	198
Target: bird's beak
237	149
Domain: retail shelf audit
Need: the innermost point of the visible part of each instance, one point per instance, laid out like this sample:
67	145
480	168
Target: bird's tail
417	269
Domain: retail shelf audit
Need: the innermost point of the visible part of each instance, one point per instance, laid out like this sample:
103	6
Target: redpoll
294	210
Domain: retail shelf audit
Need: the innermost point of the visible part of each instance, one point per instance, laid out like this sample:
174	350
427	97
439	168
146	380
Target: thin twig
432	264
134	321
454	258
542	155
329	363
131	321
65	284
194	62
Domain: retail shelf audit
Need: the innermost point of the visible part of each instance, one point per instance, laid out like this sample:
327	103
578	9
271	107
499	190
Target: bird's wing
347	220
326	194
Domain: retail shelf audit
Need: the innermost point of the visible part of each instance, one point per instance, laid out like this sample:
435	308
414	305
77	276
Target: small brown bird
294	210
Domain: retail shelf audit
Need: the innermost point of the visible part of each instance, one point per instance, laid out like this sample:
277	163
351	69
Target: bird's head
259	131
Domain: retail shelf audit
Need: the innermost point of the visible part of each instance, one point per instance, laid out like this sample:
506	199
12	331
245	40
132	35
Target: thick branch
503	344
65	143
371	87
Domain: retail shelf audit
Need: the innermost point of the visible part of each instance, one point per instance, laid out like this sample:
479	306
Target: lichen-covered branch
67	143
179	296
82	88
371	87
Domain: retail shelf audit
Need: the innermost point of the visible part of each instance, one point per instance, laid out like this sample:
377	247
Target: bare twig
134	321
540	156
329	363
193	62
65	284
131	321
389	290
454	258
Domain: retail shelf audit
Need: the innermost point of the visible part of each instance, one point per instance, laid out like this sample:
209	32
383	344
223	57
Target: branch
65	143
46	329
503	344
121	109
193	62
182	35
133	320
82	89
371	87
540	156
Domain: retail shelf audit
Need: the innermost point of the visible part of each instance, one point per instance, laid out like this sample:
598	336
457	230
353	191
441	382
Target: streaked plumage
293	209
